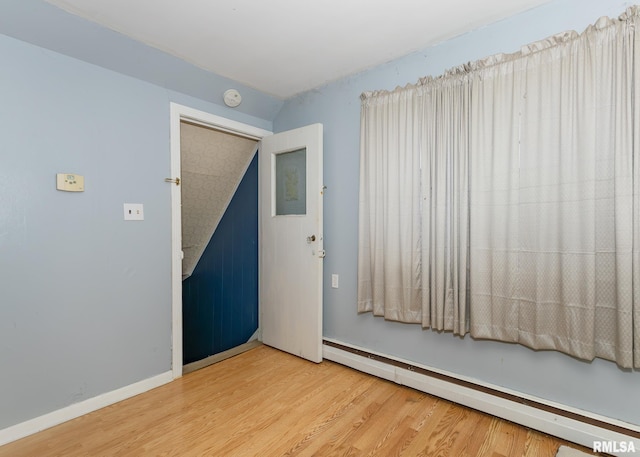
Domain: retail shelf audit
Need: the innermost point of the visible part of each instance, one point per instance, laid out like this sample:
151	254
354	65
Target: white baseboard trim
18	431
567	428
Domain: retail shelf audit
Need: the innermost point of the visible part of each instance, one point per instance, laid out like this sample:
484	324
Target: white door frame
184	113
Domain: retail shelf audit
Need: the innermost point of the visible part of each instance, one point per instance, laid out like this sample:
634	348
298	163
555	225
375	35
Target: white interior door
291	247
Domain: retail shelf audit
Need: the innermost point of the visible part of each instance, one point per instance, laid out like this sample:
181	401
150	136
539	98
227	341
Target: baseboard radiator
565	422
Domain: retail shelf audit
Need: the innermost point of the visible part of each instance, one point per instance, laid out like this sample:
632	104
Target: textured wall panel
212	164
220	298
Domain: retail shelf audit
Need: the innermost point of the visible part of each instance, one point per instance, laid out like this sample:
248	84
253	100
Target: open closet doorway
218	211
220	244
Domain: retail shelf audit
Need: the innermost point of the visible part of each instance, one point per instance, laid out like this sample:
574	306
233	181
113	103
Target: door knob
175	181
311	239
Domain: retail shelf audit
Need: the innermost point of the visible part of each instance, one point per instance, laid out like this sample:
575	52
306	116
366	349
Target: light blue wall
85	297
598	387
40	23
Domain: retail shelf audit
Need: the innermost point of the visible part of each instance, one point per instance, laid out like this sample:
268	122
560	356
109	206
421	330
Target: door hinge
173	180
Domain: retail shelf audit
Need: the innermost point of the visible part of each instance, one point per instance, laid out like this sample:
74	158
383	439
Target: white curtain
494	207
390	263
413	248
444	156
522	223
559	273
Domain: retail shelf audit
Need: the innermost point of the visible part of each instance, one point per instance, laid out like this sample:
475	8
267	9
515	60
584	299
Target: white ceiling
285	47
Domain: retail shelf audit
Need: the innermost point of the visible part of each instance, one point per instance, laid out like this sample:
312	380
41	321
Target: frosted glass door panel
291	183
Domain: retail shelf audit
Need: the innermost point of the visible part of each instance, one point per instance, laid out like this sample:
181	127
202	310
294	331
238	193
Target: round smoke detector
232	98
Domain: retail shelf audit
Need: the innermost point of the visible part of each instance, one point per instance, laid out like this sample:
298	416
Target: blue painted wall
220	298
40	23
599	387
85	297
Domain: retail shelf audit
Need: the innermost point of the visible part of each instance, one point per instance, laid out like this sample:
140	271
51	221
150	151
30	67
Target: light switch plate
133	212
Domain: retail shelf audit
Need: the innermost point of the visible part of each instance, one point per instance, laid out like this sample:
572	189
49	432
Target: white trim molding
571	424
18	431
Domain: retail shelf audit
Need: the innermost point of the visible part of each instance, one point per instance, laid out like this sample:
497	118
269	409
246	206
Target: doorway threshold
215	358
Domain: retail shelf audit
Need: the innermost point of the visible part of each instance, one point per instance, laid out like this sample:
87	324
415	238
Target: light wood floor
267	403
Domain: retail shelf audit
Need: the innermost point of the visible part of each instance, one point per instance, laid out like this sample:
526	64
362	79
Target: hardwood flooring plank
267	403
510	439
426	428
330	433
331	420
473	442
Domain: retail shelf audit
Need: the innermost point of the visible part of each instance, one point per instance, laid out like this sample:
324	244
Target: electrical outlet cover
133	212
